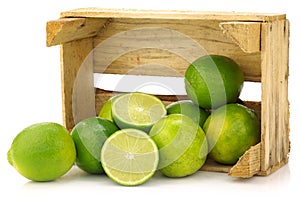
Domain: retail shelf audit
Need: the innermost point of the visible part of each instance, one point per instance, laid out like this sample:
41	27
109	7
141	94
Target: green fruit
42	152
188	108
212	81
181	143
137	110
105	111
129	157
89	136
231	130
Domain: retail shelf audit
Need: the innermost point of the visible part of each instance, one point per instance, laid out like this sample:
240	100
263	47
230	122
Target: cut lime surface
129	157
137	110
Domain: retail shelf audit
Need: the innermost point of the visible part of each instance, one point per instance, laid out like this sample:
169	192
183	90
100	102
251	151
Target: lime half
137	110
129	157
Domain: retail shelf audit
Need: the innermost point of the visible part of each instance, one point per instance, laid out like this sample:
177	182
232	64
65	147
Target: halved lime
129	157
137	110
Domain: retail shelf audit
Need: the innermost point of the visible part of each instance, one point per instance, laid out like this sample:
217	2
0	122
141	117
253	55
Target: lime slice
137	110
129	157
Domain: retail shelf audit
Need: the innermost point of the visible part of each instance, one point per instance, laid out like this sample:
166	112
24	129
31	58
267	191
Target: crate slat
275	105
249	164
126	44
77	88
245	34
171	14
68	29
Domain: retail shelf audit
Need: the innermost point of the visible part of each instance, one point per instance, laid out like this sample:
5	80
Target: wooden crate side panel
275	105
77	81
173	43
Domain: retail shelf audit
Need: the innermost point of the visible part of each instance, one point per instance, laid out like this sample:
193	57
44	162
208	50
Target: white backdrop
30	93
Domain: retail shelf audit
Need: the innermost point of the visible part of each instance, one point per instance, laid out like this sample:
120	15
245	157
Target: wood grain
125	44
171	14
68	29
275	104
245	34
77	89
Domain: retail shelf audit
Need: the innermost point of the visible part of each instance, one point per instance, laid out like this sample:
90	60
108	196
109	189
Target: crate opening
159	85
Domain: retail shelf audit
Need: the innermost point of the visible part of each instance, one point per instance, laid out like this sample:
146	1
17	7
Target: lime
188	108
129	157
105	111
182	145
137	110
89	136
231	130
42	152
212	81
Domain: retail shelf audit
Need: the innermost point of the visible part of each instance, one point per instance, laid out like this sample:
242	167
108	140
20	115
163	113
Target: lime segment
129	157
137	110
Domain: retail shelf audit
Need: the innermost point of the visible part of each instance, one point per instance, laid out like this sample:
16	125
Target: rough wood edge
68	29
274	167
171	14
275	105
245	34
248	165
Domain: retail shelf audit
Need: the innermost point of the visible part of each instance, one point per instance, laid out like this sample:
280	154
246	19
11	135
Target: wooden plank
69	29
248	165
171	14
245	34
212	166
275	105
77	81
283	105
125	44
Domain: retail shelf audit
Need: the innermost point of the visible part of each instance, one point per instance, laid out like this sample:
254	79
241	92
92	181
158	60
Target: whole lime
105	111
231	130
188	108
182	145
42	152
89	136
212	81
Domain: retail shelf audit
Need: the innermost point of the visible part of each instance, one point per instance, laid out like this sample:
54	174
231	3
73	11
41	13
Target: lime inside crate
164	43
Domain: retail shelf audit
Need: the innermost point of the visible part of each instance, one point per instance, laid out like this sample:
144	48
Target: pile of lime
137	134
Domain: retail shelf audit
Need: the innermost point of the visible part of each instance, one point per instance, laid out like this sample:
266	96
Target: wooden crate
257	42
